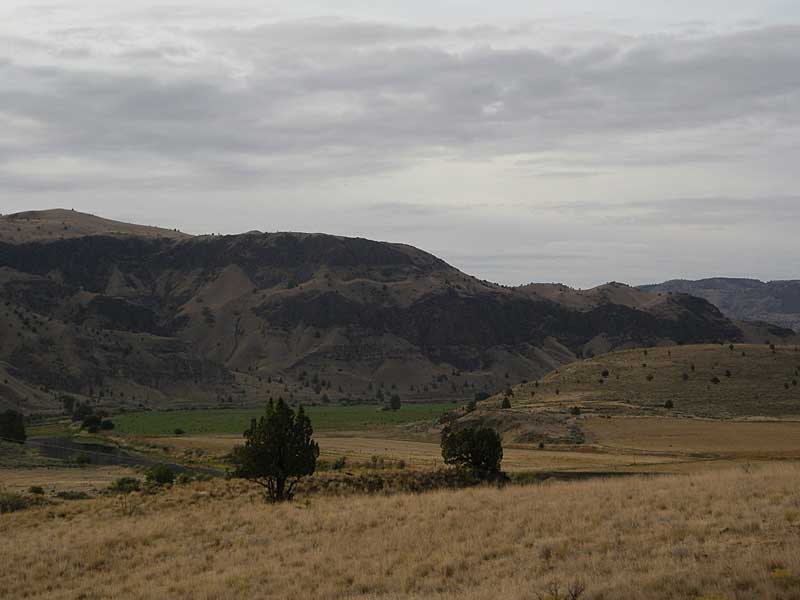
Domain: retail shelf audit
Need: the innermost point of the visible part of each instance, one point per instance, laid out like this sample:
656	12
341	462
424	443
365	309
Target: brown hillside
132	321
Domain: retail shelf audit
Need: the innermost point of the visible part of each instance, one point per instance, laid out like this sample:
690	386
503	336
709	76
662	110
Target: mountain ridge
129	321
776	302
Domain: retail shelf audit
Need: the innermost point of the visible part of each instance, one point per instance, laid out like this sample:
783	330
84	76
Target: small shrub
12	426
72	495
479	450
36	490
685	376
339	463
650	377
669	405
12	502
91	423
125	485
715	380
82	459
107	425
178	431
160	475
605	373
506	403
575	411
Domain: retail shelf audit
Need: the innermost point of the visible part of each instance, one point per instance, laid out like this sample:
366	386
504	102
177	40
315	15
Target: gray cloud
308	88
520	151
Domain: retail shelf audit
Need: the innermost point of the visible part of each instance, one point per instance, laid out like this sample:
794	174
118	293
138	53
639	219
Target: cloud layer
482	125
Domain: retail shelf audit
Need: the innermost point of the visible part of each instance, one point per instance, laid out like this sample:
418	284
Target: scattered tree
506	403
160	475
278	451
477	449
92	423
12	426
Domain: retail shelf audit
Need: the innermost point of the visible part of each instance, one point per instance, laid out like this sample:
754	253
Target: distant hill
776	302
705	381
128	318
711	380
59	224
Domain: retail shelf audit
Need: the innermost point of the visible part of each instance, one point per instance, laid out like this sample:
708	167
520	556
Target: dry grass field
87	479
722	535
361	447
746	440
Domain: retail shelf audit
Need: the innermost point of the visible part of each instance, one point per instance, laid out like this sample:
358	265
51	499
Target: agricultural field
235	421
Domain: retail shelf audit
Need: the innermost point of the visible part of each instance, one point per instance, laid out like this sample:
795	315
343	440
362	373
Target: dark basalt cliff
170	321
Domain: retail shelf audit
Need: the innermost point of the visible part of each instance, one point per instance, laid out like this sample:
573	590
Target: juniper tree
477	449
278	451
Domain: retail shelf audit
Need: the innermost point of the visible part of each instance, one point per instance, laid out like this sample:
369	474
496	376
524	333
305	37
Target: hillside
140	321
60	224
775	302
712	381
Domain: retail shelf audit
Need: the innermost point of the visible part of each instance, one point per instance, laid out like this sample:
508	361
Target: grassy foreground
721	535
234	421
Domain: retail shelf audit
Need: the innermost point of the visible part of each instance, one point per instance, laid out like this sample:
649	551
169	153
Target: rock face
775	302
129	320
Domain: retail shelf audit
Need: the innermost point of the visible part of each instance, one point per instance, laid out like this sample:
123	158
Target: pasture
235	421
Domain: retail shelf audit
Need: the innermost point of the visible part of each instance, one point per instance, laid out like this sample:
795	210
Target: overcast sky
520	141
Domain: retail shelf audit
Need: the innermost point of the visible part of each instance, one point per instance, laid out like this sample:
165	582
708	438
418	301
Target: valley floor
728	534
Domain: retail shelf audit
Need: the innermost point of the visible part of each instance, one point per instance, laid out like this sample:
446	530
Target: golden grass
84	479
730	535
730	439
361	447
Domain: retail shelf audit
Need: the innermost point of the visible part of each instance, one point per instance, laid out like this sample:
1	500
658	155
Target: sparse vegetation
707	381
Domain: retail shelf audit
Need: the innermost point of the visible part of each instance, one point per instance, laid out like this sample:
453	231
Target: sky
579	142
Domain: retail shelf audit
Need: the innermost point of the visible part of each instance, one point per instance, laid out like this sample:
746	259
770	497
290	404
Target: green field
323	418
